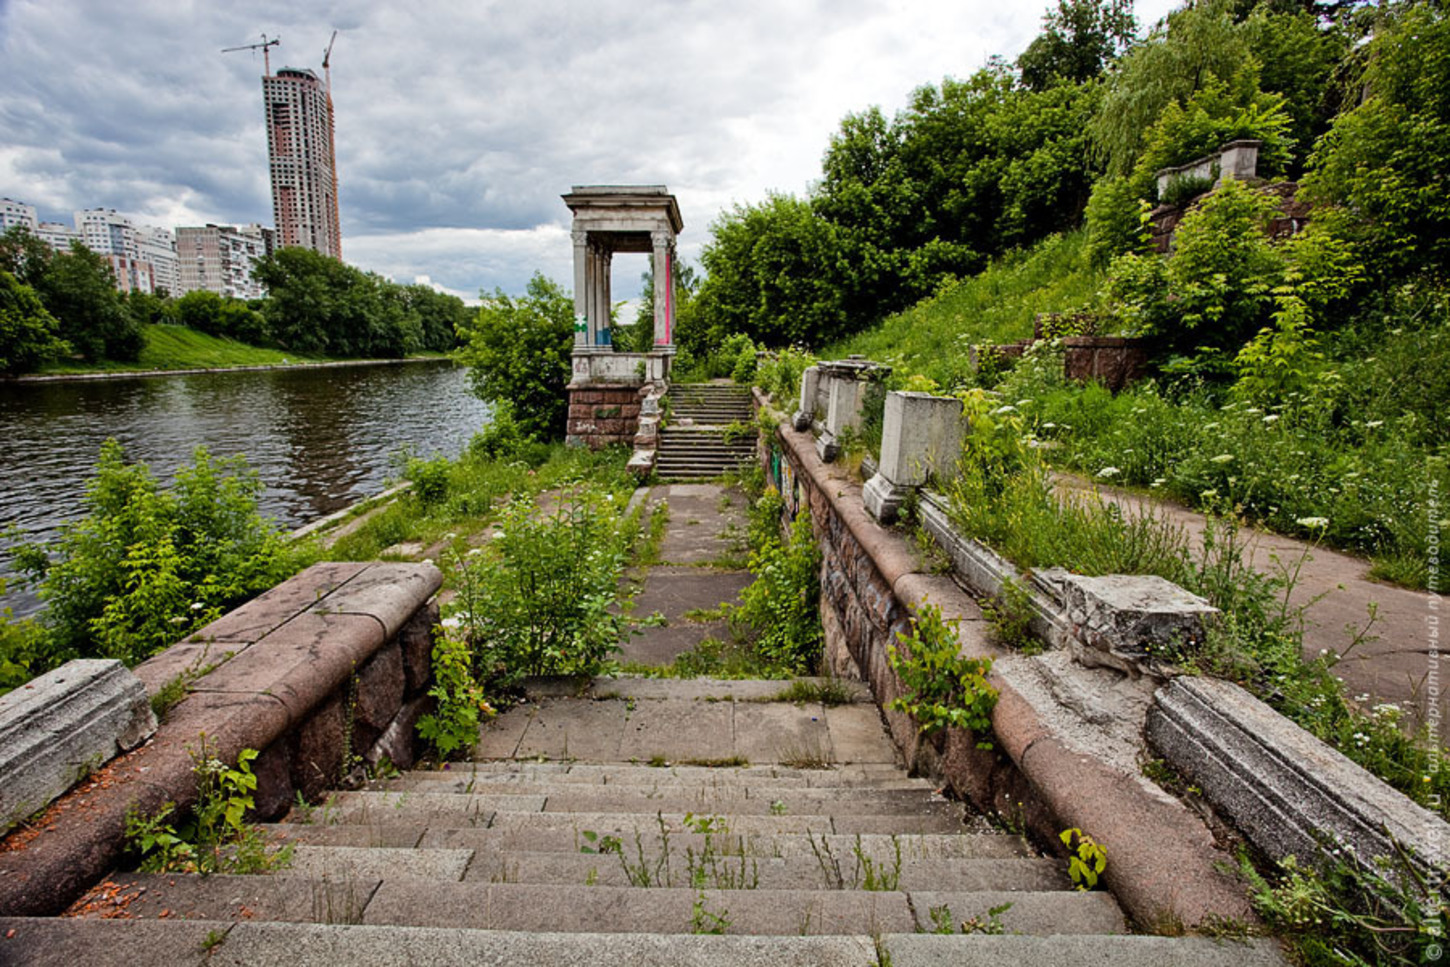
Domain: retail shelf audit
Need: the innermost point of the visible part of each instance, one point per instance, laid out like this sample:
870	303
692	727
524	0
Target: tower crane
266	54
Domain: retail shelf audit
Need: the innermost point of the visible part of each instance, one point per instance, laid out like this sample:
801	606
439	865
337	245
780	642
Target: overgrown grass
467	493
177	347
997	306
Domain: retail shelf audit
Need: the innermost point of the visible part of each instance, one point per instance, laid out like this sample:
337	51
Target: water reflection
319	439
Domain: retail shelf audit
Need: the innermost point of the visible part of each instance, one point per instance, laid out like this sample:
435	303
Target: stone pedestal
921	435
842	384
805	415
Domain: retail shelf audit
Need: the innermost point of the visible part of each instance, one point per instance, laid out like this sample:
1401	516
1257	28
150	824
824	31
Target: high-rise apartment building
219	258
303	165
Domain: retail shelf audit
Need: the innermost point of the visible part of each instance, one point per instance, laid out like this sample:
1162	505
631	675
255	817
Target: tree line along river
319	439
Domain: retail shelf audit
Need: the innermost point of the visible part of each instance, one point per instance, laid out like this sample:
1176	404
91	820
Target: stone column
664	289
581	288
605	333
810	386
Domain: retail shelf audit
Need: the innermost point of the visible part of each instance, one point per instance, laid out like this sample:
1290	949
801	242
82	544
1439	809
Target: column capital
662	239
580	236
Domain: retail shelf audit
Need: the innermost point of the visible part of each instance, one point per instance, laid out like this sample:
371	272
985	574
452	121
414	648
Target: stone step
741	871
572	909
839	776
722	790
51	942
880	848
527	812
680	797
737	690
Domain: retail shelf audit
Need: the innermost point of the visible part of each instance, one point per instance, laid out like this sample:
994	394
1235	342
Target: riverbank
177	351
133	373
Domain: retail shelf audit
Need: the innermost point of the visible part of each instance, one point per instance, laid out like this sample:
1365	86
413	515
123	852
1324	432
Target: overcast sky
459	125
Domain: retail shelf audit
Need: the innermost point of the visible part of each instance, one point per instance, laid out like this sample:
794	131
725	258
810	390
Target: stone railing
328	670
1238	160
1070	725
833	395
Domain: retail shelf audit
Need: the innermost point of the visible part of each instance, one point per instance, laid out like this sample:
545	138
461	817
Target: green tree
78	289
28	334
518	351
1078	41
145	565
1383	163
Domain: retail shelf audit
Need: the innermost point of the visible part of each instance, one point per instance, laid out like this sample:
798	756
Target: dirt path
1399	661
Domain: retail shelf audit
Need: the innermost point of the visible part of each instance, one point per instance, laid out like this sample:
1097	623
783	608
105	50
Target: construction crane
266	54
327	63
332	140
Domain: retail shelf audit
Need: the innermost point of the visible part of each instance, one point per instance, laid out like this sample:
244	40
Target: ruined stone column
606	305
921	435
664	289
581	289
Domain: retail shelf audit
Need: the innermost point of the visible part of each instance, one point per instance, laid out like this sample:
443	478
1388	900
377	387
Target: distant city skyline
458	127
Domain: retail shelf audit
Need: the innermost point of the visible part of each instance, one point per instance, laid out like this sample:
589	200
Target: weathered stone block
1131	616
415	639
398	742
810	386
273	769
1281	785
58	728
317	765
921	435
379	696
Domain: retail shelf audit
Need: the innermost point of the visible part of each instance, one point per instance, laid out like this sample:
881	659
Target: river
319	439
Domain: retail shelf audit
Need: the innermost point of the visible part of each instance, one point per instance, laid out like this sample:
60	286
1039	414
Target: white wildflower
1373	424
1272	418
1109	472
1313	523
1221	458
1009	408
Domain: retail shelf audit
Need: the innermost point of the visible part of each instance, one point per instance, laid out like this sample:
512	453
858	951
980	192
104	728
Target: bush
146	566
782	604
537	600
28	337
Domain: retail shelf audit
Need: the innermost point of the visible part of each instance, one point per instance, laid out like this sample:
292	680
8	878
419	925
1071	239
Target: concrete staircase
821	852
693	445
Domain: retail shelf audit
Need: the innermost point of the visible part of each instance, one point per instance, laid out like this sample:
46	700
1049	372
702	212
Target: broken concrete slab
1283	787
58	728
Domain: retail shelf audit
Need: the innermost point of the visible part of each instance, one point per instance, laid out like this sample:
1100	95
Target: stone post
581	289
805	415
844	383
921	435
662	244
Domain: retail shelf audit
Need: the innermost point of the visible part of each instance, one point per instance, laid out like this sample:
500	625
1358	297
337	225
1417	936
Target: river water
319	439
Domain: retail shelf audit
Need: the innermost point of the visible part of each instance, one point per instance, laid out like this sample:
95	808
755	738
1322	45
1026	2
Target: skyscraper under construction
301	150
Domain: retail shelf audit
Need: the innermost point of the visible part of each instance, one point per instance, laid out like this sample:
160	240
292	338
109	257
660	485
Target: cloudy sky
459	125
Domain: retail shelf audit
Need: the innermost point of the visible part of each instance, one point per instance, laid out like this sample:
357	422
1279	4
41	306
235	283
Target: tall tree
1078	41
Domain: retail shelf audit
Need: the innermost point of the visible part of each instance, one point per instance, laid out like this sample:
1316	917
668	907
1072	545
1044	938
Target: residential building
58	235
302	160
219	258
143	259
13	213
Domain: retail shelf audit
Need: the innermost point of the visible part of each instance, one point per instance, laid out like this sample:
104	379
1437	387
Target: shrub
461	705
430	479
537	600
146	565
782	604
942	688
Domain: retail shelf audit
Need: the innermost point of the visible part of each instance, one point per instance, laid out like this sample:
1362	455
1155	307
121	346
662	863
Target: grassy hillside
177	347
932	337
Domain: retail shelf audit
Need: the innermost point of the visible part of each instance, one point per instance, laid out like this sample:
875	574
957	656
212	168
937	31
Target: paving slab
1059	912
858	735
700	801
714	689
699	530
780	732
572	729
677	730
627	824
323	833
